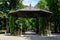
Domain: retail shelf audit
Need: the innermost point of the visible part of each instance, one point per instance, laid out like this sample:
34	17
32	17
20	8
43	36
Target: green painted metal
11	24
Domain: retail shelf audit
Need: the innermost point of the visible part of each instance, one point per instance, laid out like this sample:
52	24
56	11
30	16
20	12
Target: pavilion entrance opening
26	25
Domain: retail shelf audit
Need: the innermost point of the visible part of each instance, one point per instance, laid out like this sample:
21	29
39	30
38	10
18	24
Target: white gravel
28	37
3	37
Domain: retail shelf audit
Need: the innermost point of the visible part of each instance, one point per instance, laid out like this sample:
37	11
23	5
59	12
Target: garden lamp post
7	6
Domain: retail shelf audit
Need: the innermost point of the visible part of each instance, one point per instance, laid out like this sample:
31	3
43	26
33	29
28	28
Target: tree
5	7
2	19
53	7
15	4
42	4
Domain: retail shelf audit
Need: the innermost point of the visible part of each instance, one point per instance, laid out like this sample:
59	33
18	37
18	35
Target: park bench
30	33
3	31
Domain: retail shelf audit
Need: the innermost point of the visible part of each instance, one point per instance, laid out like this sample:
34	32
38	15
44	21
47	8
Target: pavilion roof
29	8
30	12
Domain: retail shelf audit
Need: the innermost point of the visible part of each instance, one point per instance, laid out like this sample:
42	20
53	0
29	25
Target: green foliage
43	25
16	4
2	20
30	23
42	4
19	22
26	22
2	15
54	7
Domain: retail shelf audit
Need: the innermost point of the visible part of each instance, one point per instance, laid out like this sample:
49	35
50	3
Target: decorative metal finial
30	5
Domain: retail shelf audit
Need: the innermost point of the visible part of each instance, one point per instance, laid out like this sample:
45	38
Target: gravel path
28	37
36	37
11	38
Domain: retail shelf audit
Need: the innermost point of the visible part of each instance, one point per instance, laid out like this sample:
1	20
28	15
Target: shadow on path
36	37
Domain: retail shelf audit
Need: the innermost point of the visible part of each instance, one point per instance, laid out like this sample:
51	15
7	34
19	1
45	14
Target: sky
32	2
